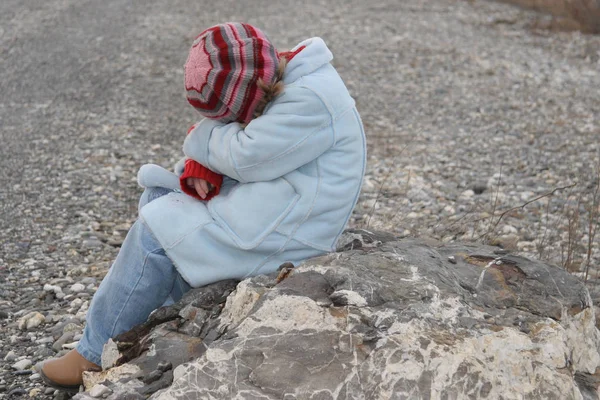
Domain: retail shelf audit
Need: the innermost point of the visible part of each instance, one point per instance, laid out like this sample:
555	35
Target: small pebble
23	372
52	288
78	287
34	392
22	365
17	392
31	320
35	377
76	303
467	194
67	337
153	376
92	243
43	353
99	390
48	339
10	356
62	395
72	327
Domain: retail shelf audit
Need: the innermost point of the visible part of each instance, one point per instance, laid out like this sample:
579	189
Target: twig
573	238
522	206
490	228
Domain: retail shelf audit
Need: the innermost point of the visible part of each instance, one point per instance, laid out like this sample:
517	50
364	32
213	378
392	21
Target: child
270	175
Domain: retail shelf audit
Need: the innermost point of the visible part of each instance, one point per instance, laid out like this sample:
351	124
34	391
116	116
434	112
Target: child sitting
271	175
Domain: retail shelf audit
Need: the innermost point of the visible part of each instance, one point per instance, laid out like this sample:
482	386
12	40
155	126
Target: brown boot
66	372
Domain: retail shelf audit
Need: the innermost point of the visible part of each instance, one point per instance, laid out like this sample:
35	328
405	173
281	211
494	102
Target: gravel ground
468	111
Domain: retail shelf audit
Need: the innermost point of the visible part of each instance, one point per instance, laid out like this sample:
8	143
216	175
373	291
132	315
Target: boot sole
64	388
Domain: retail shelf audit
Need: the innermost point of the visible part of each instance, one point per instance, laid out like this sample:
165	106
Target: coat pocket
249	212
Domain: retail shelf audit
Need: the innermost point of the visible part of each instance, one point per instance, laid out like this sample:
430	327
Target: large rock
380	319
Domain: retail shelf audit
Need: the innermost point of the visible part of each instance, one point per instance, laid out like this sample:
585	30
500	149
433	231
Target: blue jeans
141	280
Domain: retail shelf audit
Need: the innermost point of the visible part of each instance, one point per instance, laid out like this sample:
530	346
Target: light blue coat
291	179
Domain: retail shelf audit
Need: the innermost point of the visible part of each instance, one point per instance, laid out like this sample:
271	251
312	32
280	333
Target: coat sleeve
295	129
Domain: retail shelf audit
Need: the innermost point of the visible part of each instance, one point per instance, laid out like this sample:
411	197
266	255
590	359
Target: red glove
194	169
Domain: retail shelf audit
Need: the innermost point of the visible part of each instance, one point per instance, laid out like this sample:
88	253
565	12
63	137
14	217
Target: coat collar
312	57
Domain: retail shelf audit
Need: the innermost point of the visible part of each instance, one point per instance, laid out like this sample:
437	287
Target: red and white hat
223	68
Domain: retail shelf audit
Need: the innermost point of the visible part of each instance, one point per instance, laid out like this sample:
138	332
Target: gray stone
52	288
10	356
99	391
18	391
43	353
72	327
35	377
63	327
92	243
22	365
152	376
162	381
77	287
62	395
64	339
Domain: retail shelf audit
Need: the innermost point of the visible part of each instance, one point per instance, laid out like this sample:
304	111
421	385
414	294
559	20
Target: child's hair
273	90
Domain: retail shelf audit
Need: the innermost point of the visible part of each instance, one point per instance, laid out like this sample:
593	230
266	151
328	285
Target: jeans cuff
84	350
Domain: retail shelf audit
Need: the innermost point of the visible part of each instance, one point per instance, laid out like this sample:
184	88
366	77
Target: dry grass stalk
593	210
494	224
384	182
574	235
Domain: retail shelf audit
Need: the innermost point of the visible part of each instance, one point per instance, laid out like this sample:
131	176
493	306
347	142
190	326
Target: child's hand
202	187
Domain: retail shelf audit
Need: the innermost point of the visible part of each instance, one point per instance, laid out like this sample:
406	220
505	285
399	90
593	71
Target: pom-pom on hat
223	69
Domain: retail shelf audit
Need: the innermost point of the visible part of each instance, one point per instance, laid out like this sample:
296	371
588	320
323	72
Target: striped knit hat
223	68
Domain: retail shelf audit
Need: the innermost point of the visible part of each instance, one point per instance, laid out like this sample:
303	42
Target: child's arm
295	130
195	179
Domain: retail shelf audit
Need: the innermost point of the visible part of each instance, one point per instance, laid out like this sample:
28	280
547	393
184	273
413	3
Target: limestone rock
31	320
122	372
381	318
110	355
